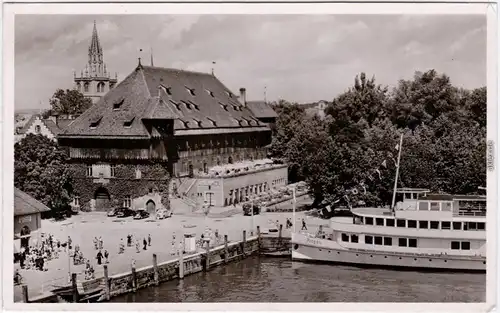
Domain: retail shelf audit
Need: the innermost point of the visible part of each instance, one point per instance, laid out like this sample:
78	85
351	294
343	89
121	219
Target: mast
294	201
397	174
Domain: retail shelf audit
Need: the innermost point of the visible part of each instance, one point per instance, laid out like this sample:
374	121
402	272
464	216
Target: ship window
369	220
423	206
402	242
446	206
445	225
345	237
401	223
412	243
434	206
423	224
354	238
379	221
434	225
378	240
481	226
412	224
457	225
387	241
389	222
465	245
368	239
472	226
455	245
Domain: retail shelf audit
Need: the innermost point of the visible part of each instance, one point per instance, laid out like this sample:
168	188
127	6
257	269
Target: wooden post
25	294
226	252
155	269
134	280
207	262
281	231
106	283
74	286
181	263
244	242
258	239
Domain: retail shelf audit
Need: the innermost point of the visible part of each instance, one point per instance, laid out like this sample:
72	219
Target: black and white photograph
250	158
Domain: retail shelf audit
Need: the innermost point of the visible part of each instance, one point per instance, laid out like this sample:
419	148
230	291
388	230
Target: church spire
95	50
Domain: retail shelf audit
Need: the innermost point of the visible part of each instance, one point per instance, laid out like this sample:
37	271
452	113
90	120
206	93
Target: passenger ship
432	231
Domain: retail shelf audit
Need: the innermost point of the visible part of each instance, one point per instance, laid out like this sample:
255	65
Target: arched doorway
151	207
102	199
25	236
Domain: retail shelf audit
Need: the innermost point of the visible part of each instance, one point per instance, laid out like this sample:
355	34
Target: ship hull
320	250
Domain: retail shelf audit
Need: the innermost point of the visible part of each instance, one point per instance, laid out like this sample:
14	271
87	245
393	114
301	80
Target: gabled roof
25	204
191	100
53	128
261	109
28	124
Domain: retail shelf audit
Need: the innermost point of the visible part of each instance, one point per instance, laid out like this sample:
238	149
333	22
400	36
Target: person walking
149	240
99	257
304	227
137	247
145	243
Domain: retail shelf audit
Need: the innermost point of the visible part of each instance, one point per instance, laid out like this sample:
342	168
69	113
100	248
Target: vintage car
141	214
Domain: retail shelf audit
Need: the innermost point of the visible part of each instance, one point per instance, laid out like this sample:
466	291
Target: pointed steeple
95	50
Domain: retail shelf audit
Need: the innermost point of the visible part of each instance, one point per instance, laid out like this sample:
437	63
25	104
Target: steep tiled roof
261	109
25	204
52	127
28	124
193	100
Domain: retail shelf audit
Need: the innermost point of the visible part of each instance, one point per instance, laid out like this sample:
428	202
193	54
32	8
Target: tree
40	170
70	102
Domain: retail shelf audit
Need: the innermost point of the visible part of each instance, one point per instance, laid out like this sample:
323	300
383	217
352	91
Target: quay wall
165	271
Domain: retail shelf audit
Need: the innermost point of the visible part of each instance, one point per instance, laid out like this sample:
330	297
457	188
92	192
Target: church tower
95	80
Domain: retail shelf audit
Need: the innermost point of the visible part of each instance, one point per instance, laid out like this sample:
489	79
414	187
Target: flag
397	147
384	164
379	175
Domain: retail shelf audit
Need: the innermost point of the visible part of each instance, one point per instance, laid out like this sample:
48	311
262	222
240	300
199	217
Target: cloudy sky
299	58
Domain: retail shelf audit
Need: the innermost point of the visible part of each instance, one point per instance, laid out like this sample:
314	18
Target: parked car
141	214
163	213
115	211
125	212
247	207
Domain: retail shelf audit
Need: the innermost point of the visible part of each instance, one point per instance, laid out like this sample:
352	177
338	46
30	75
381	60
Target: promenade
85	226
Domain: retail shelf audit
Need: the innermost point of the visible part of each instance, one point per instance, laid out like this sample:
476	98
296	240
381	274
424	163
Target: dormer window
210	93
194	105
167	90
117	105
95	122
128	123
229	94
190	90
177	105
198	122
186	123
188	105
213	121
224	106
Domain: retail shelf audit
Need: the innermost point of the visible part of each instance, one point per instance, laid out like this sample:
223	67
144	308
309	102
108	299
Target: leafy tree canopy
69	101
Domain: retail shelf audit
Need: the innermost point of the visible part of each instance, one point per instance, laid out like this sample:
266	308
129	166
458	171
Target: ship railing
470	257
475	213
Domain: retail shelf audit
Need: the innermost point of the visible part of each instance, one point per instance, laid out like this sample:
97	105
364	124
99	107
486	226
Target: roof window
190	90
167	90
177	105
194	105
188	105
118	104
128	123
229	94
95	122
198	122
213	121
210	93
224	106
186	123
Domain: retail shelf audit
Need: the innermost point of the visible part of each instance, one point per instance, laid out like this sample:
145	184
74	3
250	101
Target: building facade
317	109
95	80
27	216
155	125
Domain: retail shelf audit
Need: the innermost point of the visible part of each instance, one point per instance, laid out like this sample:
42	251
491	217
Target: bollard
181	263
207	258
226	257
25	294
244	242
258	239
134	280
155	269
74	286
106	283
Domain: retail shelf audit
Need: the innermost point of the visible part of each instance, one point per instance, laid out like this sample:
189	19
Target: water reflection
258	279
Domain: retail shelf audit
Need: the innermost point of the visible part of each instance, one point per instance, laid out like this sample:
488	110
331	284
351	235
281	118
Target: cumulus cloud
298	57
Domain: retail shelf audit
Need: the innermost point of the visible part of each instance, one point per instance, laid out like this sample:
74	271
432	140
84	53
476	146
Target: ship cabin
421	210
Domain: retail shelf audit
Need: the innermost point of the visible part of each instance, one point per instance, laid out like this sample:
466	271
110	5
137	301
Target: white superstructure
424	230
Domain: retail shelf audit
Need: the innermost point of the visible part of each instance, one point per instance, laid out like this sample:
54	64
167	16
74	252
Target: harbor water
262	279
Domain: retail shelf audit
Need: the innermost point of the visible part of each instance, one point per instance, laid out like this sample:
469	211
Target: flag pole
397	174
